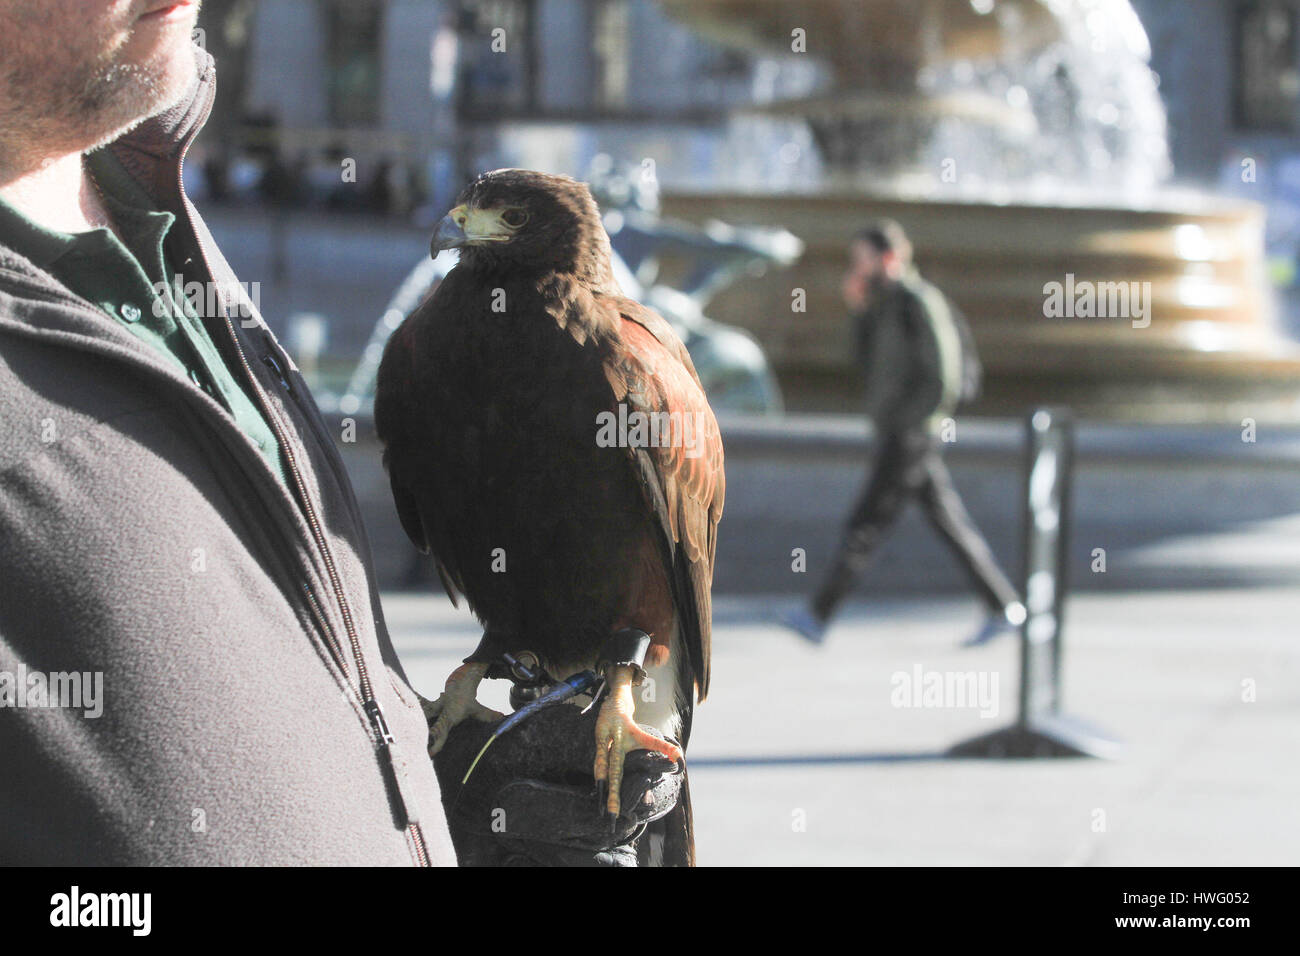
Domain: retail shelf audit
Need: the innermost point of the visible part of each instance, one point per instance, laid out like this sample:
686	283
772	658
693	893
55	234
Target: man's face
865	273
76	73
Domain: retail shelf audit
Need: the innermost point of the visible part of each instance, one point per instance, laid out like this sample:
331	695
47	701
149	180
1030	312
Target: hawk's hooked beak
464	226
450	233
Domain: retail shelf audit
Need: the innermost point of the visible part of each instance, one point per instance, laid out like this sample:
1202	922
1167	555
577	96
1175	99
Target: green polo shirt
133	281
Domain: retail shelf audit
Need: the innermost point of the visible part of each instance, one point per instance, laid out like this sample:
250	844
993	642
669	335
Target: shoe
997	624
806	624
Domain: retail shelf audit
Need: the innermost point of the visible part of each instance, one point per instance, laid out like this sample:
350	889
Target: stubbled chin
178	72
159	83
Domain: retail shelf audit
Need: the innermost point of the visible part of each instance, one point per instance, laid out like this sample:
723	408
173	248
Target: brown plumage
496	402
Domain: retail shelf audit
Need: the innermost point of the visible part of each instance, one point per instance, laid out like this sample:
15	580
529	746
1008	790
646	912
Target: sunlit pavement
799	756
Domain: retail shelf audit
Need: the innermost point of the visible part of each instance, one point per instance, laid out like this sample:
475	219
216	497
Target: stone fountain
1022	145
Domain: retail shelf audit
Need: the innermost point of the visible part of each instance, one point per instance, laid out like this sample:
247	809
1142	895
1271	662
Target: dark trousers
909	465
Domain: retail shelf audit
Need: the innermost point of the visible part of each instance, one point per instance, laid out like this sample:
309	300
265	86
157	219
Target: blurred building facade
1230	81
427	92
1229	78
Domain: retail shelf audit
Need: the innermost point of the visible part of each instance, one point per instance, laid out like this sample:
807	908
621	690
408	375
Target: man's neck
59	195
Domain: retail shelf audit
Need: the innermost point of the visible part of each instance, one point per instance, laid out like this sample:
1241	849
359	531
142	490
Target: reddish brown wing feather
652	372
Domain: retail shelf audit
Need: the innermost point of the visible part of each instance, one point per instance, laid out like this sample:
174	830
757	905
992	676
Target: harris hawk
548	442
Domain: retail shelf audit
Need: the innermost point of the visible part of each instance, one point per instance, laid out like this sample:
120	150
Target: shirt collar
43	247
129	204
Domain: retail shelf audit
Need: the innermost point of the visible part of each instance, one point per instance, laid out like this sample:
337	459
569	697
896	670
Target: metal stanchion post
1041	728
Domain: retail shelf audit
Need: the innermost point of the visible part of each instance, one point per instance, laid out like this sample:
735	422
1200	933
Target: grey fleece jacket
253	709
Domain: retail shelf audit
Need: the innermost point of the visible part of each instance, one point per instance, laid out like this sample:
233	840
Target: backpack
972	371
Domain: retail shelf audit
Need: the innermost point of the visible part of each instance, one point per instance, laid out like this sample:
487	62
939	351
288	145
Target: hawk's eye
514	218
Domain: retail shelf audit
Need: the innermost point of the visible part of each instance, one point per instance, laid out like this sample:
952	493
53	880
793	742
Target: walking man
920	366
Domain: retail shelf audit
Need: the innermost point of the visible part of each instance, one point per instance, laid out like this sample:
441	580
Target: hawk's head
520	219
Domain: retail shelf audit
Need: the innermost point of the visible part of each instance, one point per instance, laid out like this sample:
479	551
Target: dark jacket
254	710
917	356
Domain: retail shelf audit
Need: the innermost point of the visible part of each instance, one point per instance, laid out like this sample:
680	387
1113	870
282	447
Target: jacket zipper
388	746
323	623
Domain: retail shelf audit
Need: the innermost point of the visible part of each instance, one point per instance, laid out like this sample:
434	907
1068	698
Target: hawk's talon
457	702
617	735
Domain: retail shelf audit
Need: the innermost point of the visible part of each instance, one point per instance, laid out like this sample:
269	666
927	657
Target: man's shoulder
919	289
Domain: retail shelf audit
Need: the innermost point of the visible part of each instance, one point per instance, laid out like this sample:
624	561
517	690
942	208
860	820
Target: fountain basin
1211	348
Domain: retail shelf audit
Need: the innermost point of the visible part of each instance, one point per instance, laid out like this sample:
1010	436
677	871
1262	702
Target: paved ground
799	756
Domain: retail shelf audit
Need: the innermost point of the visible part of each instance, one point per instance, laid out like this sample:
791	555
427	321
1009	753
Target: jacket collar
152	152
